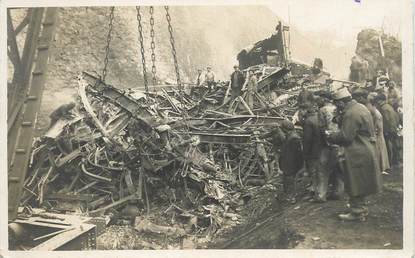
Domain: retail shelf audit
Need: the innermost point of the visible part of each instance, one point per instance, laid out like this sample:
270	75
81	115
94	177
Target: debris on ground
180	162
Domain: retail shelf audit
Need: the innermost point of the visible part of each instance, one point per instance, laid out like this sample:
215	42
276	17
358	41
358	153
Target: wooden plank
64	238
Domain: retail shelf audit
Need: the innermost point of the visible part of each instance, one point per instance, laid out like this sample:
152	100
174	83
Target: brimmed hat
341	94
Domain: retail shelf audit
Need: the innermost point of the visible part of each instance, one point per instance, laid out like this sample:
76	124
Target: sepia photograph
252	125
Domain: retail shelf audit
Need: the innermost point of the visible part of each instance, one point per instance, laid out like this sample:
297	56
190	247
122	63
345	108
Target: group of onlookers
350	136
341	139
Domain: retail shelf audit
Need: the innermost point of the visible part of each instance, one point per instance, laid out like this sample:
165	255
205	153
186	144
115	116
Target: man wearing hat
360	164
210	78
237	81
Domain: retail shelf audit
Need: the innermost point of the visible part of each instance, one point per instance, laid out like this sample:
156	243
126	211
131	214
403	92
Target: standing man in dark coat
329	154
291	158
360	164
393	96
312	146
390	127
237	81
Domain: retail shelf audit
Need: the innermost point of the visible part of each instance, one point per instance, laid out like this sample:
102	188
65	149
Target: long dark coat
291	159
237	80
361	166
312	141
390	119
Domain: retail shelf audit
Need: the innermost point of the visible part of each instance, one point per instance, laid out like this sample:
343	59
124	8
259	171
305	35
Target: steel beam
12	43
20	80
20	146
24	23
223	138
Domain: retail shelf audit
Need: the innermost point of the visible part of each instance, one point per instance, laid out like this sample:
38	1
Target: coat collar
350	104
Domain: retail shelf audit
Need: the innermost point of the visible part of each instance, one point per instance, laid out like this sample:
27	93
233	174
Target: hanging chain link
143	58
107	47
173	48
153	47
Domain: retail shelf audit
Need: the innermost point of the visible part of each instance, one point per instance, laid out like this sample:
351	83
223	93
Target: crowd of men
342	138
350	137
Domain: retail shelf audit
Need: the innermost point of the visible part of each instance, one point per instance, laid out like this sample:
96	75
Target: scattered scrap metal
124	152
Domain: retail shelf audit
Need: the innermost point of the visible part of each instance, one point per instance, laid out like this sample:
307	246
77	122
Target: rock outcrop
369	57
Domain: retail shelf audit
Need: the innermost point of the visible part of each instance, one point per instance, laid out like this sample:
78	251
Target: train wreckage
179	161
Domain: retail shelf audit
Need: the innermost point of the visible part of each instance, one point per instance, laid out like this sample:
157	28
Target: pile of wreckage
199	156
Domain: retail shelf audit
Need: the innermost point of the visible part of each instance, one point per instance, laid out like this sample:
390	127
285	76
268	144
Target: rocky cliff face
368	57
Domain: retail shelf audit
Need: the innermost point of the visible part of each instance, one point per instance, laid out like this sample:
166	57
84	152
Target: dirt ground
282	225
307	225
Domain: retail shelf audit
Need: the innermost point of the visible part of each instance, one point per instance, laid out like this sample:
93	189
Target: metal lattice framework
25	92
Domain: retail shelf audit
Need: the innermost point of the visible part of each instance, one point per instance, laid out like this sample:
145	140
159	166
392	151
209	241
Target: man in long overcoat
362	96
390	127
360	164
291	158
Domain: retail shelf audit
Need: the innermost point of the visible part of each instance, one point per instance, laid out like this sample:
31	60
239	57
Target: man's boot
352	217
356	214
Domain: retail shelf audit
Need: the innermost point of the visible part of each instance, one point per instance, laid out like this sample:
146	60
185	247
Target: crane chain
140	39
173	48
153	47
107	47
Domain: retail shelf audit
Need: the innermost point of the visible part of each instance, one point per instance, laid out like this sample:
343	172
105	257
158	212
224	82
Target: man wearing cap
312	146
237	81
362	96
390	127
318	75
380	139
251	88
304	97
210	78
199	78
330	152
291	158
393	97
360	164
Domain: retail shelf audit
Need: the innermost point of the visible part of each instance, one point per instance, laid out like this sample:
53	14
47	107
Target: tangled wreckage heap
202	162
